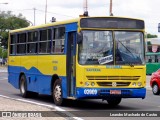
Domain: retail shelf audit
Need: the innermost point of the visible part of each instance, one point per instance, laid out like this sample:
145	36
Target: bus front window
96	48
129	47
100	47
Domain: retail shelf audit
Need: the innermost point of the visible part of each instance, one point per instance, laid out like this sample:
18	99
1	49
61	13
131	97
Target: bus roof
64	22
44	25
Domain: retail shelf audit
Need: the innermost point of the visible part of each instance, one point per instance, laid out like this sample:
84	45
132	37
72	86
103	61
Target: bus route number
90	91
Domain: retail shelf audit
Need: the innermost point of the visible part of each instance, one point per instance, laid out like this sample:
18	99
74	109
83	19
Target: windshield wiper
125	47
130	63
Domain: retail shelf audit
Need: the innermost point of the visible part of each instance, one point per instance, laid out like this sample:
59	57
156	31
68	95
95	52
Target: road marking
3	78
3	71
41	104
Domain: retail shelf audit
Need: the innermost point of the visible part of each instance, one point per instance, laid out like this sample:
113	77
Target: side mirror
79	37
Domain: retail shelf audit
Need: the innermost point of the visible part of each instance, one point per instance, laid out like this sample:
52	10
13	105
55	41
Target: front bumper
100	93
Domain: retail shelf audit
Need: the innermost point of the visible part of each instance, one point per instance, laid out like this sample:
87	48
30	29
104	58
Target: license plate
115	92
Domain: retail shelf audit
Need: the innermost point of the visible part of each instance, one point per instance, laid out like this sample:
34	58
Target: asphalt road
84	107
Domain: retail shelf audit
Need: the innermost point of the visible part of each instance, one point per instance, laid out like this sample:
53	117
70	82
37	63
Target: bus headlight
133	84
92	83
87	83
139	84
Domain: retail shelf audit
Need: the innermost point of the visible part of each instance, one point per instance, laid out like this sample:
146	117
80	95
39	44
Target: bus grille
113	77
110	84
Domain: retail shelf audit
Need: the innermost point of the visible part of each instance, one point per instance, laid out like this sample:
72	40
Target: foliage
9	21
3	53
151	36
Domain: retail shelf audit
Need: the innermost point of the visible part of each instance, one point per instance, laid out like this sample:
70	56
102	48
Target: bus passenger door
70	66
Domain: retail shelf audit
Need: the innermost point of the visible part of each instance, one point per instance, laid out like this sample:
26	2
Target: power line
55	13
19	10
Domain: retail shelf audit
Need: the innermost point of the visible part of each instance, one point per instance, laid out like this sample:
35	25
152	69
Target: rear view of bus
110	58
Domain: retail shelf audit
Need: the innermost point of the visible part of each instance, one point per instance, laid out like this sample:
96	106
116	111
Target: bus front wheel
57	93
114	101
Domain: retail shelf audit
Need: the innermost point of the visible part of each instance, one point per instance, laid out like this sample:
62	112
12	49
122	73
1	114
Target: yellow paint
44	63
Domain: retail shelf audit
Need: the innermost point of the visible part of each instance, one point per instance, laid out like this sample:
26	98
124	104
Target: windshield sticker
105	60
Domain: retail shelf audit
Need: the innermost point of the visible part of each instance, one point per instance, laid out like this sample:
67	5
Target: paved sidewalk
13	105
3	69
148	82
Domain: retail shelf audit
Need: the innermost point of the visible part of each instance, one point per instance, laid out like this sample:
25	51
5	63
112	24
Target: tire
57	93
23	86
114	101
155	89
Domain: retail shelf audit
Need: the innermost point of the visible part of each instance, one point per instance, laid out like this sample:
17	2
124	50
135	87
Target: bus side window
45	41
58	40
21	43
13	44
32	42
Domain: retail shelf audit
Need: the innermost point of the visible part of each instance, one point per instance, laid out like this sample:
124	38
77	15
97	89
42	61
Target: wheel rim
57	92
155	89
23	86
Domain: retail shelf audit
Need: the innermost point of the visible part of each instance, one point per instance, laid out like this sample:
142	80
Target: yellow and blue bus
84	58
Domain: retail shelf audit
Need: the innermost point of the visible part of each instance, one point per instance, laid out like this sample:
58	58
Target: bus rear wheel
114	101
57	93
23	87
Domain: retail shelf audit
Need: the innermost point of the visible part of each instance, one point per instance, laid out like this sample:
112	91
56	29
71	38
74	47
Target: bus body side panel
29	68
38	78
43	83
49	65
13	70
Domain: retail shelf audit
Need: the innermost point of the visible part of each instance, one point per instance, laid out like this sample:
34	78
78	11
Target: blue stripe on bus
36	81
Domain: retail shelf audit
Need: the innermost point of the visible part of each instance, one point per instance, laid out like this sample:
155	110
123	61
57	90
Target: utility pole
85	7
111	14
34	16
46	12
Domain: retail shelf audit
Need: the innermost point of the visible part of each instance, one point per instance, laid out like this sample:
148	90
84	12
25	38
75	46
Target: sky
148	10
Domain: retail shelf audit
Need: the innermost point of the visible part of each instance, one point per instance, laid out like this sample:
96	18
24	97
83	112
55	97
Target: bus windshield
111	48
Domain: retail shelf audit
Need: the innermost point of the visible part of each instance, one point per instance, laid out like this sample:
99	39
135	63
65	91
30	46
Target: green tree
151	36
3	53
9	21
